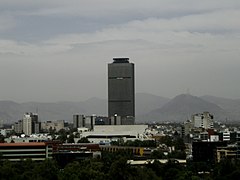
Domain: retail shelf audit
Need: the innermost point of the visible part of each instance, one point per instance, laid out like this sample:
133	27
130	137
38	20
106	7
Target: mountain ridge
149	108
181	107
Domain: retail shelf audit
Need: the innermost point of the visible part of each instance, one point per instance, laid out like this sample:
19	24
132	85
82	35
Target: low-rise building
108	133
37	151
18	127
205	151
52	125
228	152
31	138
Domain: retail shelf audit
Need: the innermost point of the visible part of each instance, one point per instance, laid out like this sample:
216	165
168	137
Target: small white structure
226	136
214	138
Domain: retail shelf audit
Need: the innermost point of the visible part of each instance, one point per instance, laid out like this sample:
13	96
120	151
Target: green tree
62	135
88	169
70	138
120	170
1	138
25	169
157	154
179	144
226	168
83	140
77	135
8	171
52	131
177	155
71	171
48	169
156	167
166	140
145	173
171	173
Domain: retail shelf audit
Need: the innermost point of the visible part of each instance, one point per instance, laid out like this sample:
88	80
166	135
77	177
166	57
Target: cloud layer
58	50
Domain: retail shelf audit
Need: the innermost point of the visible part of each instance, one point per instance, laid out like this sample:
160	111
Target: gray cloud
59	50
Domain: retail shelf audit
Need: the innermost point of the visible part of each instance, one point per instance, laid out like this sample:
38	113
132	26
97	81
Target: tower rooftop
120	60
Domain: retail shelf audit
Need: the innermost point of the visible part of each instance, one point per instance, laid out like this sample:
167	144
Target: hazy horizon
58	50
102	98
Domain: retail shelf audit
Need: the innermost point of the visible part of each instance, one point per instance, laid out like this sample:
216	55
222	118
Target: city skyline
58	50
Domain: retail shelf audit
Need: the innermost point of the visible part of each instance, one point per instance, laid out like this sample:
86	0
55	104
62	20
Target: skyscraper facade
30	124
27	124
121	91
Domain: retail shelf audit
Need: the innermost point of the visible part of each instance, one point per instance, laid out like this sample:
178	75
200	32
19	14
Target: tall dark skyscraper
121	92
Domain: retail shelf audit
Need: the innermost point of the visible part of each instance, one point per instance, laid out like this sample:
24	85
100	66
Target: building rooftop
23	144
120	60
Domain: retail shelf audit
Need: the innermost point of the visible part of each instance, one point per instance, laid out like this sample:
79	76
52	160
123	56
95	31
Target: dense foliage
115	166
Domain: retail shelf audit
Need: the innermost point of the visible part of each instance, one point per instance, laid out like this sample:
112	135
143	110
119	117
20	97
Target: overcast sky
58	50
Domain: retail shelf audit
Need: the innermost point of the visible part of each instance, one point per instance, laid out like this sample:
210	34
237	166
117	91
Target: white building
226	136
30	123
27	124
108	133
204	120
31	138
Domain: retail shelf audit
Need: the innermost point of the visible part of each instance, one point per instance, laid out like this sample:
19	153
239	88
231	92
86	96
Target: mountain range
149	108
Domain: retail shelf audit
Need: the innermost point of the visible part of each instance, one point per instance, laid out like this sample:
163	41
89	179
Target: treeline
115	166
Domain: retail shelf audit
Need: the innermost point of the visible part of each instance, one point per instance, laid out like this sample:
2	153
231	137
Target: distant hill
149	108
231	106
11	112
148	102
182	107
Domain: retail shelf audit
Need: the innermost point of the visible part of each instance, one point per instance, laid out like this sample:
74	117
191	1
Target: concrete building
82	121
107	133
31	138
238	143
214	138
35	124
186	128
30	123
37	151
27	124
204	120
226	136
52	125
116	120
18	126
78	120
102	120
227	152
89	122
121	91
205	151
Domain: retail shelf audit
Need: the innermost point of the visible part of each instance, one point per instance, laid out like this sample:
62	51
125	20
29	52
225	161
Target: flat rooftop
22	144
120	60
